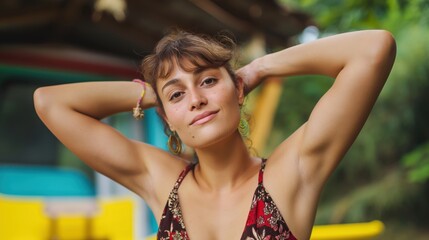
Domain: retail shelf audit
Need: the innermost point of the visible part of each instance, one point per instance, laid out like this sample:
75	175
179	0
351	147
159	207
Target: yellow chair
22	219
29	219
350	231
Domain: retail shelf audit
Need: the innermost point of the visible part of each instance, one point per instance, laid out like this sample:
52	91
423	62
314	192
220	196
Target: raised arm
72	112
360	62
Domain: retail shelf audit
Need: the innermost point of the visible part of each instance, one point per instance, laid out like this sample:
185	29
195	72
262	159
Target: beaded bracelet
138	110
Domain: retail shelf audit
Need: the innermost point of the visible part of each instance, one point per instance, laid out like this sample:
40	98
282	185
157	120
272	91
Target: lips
204	117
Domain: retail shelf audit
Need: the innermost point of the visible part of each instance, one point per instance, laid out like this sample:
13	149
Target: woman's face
203	107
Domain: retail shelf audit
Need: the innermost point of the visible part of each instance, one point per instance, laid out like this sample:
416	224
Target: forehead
176	63
172	69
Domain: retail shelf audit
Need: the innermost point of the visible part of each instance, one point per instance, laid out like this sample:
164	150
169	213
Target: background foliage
385	175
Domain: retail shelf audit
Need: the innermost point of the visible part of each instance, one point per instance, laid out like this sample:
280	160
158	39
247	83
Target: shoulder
284	160
295	198
295	182
162	171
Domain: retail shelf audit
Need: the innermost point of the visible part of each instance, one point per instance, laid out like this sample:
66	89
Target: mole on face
193	136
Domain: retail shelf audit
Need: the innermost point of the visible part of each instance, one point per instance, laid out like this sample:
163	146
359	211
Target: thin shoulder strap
183	174
261	172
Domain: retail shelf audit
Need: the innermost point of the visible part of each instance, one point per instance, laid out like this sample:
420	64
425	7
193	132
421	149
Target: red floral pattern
264	221
172	226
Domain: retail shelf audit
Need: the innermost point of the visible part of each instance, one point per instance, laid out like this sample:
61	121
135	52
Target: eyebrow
170	82
197	72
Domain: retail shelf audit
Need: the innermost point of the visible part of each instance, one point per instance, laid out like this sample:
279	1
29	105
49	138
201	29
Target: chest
221	216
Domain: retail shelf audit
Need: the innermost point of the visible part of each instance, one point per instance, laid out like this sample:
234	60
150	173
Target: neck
225	165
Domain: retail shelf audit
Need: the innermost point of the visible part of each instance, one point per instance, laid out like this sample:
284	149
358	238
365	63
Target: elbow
41	100
383	52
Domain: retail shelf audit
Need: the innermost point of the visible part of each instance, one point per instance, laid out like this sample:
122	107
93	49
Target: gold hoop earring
243	127
174	143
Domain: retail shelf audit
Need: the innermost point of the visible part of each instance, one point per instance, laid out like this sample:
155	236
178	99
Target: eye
209	81
175	96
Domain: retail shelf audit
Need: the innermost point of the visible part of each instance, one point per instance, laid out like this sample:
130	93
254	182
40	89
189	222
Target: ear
240	90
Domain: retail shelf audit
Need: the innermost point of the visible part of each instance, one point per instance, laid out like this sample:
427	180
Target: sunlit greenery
385	175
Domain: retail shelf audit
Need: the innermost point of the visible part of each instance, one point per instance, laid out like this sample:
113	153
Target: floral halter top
263	222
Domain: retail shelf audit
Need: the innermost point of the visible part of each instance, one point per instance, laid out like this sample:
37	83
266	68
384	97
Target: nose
197	100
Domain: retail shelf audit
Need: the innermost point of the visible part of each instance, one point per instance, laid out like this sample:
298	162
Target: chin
209	136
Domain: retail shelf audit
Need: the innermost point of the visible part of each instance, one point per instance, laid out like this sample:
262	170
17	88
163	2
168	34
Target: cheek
174	116
172	113
226	95
227	99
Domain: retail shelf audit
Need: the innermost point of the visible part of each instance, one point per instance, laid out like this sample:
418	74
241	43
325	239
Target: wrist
138	112
260	68
150	97
146	99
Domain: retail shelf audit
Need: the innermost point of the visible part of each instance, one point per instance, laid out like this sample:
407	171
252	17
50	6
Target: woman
199	96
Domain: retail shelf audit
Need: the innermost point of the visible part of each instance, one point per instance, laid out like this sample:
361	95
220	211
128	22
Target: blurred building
45	42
